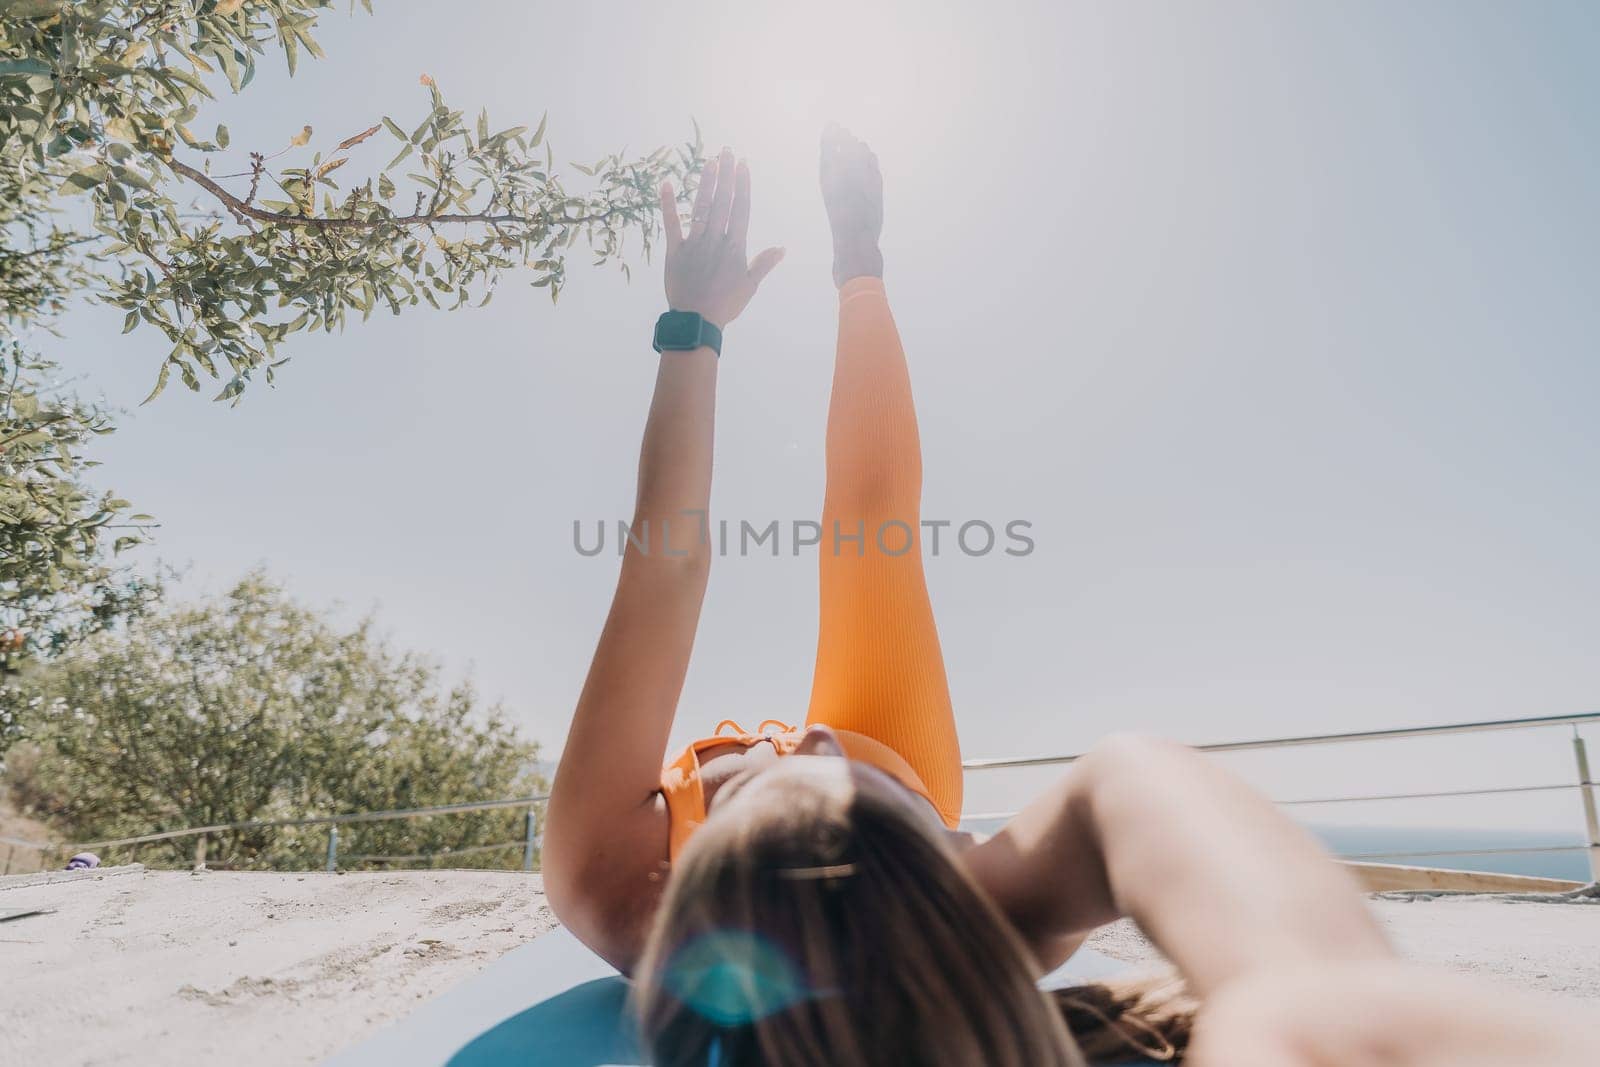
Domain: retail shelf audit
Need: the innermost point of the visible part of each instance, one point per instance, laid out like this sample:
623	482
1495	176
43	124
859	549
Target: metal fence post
10	850
200	852
333	848
1586	786
528	844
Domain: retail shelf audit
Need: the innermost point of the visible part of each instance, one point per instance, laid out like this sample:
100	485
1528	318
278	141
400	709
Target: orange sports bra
686	798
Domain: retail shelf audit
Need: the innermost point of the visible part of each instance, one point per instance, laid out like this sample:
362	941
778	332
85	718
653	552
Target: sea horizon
1456	849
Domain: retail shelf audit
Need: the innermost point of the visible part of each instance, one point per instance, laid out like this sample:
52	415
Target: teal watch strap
685	331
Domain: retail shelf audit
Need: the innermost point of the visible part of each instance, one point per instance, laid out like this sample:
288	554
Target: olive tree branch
240	207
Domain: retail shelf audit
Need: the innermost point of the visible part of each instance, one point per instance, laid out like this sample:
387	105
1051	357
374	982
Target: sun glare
876	67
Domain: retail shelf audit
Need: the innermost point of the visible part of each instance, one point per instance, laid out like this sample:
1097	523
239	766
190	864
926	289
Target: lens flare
734	977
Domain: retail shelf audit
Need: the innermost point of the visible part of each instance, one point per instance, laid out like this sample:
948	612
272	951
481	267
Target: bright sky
1277	322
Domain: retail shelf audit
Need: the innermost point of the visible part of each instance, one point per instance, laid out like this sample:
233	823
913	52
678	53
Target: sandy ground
166	967
258	969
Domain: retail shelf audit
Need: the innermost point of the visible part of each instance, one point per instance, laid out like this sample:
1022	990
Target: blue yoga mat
551	1003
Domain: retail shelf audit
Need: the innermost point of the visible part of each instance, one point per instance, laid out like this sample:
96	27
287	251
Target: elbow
694	564
659	530
563	854
558	872
1126	780
575	907
675	540
587	899
570	865
1131	759
685	568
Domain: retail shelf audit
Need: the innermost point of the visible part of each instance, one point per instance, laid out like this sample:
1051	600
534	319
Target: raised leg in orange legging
879	671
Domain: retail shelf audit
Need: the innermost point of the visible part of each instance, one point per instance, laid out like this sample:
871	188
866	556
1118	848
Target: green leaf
161	383
311	45
191	80
129	176
230	66
23	67
85	179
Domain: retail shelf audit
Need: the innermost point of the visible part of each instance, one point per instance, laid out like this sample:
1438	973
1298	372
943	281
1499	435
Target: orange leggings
879	670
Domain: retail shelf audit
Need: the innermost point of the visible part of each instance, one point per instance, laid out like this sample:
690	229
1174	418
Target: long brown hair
829	928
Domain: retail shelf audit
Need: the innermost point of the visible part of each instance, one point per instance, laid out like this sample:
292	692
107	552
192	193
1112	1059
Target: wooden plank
1388	877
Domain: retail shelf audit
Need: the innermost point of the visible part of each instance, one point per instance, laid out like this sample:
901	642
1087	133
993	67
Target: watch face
678	329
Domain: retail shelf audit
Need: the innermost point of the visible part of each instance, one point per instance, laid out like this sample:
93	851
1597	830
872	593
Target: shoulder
606	889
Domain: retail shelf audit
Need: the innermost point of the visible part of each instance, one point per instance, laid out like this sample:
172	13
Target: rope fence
1584	785
529	844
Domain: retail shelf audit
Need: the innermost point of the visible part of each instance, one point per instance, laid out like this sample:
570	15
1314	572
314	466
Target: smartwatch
685	331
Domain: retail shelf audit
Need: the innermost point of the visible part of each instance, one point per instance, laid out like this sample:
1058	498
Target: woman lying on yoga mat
801	896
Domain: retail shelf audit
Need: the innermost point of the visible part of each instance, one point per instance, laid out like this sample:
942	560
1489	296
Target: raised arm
1223	882
606	830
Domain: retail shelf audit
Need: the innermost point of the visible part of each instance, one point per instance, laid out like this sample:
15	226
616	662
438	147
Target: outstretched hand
706	269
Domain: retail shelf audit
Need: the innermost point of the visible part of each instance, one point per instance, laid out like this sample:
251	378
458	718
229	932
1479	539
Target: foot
852	191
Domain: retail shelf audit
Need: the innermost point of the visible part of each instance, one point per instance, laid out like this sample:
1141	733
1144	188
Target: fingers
722	202
739	214
762	265
670	223
702	199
